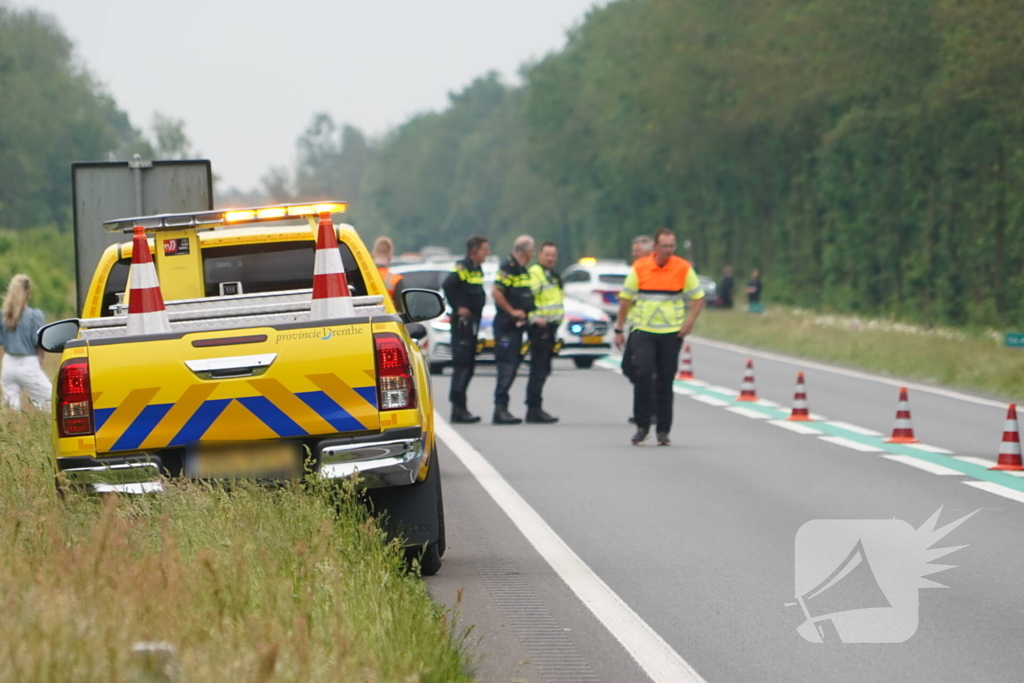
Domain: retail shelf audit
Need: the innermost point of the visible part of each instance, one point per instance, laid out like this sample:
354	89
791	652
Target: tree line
866	155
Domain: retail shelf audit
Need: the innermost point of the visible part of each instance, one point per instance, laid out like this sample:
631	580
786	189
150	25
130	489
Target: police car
586	332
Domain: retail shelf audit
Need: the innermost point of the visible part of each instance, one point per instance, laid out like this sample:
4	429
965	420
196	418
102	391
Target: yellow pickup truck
246	383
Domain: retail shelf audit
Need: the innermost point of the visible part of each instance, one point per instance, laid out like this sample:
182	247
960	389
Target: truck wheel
583	362
429	560
437	368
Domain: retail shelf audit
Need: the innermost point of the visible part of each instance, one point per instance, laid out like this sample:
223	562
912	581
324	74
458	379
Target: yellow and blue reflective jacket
546	286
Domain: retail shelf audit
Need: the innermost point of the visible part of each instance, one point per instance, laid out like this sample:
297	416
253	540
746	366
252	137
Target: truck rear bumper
390	458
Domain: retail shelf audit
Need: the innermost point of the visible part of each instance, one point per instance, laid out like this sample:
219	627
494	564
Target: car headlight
576	328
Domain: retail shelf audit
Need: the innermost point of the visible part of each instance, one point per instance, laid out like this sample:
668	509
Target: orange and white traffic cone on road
686	367
903	430
747	391
146	312
801	411
331	298
1009	449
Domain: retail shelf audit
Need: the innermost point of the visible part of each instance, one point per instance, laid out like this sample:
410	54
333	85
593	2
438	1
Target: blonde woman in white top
20	369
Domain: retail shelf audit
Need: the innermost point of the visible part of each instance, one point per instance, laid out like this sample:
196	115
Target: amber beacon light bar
224	217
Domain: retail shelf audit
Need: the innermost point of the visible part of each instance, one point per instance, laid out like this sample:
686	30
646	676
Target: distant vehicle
586	332
599	281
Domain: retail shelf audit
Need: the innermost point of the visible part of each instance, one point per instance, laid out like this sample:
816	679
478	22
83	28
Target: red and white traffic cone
686	367
146	312
747	391
903	430
801	411
331	298
1009	449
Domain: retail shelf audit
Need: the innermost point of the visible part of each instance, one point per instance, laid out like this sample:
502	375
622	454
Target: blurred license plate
274	460
593	339
488	343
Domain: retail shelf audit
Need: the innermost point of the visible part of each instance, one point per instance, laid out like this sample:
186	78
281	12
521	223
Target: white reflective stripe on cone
154	322
1011	426
334	307
328	262
1009	448
904	424
142	276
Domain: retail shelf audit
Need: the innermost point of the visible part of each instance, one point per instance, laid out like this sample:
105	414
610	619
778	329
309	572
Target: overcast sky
247	76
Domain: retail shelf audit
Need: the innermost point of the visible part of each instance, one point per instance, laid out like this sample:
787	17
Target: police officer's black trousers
464	332
542	349
508	339
655	361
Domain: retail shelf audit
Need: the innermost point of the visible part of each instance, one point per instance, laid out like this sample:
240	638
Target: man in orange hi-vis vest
654	300
383	252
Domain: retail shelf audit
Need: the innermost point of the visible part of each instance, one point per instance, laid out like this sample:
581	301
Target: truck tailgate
259	383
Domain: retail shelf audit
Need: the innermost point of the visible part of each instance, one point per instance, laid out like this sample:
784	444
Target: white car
598	282
586	332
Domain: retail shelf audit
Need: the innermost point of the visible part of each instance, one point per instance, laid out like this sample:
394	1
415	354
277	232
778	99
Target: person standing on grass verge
20	369
725	288
754	292
657	290
643	246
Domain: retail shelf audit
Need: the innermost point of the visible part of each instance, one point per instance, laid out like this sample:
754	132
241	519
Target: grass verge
253	585
974	360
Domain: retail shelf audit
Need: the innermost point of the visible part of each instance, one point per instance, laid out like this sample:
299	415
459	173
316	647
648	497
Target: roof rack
225	217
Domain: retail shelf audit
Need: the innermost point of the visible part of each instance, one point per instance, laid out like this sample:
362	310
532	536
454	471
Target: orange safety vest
660	294
391	280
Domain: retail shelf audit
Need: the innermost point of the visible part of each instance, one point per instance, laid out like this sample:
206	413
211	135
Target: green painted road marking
966	468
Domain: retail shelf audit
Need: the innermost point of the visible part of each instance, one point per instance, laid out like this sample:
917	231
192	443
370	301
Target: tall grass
249	585
956	357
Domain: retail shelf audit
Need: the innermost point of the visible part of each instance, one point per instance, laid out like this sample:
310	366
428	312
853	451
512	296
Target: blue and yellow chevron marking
259	409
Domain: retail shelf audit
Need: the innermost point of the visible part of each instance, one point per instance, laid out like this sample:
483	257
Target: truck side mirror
421	304
53	337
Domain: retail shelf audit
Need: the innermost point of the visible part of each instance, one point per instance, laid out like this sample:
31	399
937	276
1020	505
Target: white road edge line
854	428
798	427
976	461
997	489
848	373
710	400
747	412
850	443
923	465
931	449
655	656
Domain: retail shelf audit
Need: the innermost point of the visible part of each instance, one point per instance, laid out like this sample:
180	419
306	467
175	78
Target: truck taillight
74	398
395	389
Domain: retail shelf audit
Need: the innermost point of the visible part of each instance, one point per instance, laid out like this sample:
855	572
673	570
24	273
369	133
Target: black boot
460	415
503	417
536	415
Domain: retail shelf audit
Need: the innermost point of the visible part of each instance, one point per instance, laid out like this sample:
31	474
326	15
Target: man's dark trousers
508	341
655	361
627	358
463	359
542	349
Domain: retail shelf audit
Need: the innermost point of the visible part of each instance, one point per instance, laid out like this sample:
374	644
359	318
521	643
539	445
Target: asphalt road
698	539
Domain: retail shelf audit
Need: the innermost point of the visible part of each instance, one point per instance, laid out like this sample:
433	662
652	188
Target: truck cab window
271	267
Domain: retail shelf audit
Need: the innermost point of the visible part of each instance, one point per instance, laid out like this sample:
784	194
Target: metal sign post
106	190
